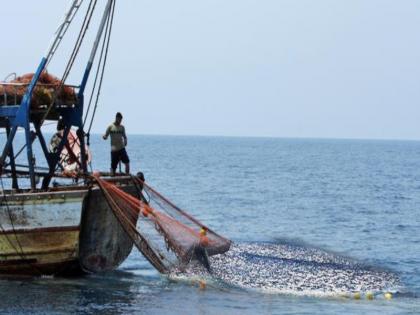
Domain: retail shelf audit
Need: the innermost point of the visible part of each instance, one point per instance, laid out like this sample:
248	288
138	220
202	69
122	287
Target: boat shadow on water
108	292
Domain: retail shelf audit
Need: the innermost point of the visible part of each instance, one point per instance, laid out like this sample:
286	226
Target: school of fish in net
294	269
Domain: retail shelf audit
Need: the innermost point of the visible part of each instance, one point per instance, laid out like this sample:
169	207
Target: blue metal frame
9	111
22	119
20	116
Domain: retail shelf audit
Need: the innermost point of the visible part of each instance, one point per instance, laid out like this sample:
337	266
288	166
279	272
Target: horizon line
258	137
266	137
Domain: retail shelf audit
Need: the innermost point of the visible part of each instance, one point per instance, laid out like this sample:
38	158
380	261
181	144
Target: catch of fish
294	269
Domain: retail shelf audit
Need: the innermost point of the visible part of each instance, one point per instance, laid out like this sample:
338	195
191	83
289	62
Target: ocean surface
315	225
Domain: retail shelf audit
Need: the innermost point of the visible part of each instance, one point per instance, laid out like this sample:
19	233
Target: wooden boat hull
41	251
61	233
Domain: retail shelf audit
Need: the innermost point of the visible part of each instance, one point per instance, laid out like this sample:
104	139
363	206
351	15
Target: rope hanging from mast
100	69
85	25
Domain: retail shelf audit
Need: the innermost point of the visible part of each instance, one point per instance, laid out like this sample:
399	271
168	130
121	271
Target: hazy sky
295	68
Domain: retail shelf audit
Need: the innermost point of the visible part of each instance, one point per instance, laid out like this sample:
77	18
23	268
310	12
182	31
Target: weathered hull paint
60	233
39	251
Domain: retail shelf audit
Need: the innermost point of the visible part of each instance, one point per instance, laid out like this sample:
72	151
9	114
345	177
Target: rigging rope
101	69
76	48
96	74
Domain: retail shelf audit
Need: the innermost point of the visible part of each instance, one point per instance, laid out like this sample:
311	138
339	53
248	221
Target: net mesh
165	234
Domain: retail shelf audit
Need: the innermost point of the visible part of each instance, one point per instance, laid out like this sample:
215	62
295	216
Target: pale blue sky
295	68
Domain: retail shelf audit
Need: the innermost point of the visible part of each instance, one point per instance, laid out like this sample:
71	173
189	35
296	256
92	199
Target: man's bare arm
105	136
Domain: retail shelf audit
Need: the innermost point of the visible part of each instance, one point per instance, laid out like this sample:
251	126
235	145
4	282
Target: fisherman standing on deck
118	144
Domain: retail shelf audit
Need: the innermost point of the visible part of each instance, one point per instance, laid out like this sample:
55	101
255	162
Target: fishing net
166	235
11	93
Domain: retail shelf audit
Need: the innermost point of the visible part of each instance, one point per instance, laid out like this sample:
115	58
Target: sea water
315	224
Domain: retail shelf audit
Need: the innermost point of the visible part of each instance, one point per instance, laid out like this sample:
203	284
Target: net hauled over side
166	235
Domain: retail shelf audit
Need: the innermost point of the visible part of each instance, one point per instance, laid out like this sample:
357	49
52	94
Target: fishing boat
59	218
48	228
